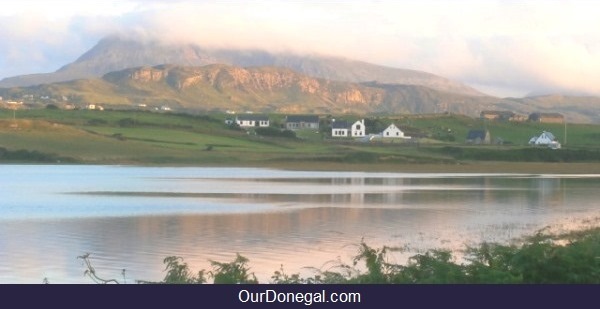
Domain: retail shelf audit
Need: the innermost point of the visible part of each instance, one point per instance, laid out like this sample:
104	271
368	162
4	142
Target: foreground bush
572	258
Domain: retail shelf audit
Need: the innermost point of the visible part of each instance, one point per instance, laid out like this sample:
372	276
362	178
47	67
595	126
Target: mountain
260	89
343	85
115	53
277	89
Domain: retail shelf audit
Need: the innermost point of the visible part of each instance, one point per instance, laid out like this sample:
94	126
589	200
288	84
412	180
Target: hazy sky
505	48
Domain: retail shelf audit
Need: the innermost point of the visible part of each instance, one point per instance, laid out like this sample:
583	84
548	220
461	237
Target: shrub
540	259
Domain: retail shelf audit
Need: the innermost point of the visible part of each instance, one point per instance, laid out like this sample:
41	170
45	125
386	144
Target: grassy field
138	137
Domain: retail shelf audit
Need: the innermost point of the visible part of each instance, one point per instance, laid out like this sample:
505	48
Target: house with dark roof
478	137
247	121
339	128
358	129
300	122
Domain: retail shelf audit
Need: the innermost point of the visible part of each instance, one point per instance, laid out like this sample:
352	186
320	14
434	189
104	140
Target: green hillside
141	137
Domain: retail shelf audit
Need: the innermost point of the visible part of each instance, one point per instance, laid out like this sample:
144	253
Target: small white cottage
546	138
247	121
393	132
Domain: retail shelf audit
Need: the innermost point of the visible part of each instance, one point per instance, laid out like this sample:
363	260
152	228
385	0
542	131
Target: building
300	122
502	116
358	129
545	139
248	121
547	117
497	115
478	137
393	132
339	128
94	107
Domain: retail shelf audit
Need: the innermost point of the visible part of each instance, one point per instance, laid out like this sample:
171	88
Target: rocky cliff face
283	90
148	75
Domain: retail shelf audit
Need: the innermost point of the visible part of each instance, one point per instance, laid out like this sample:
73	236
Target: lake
133	217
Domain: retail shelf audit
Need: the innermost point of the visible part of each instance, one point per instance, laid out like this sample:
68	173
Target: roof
537	116
253	117
340	124
302	118
548	135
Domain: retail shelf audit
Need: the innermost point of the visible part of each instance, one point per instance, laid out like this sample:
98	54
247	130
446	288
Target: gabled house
546	138
478	137
393	132
299	122
358	129
247	121
339	128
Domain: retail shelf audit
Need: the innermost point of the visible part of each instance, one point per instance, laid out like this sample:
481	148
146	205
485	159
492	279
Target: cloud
508	47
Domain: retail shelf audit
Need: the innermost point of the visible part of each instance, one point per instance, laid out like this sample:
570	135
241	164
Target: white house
546	138
339	128
247	121
358	129
393	132
95	107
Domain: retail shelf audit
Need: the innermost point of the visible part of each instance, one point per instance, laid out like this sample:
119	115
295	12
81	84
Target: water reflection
476	192
134	217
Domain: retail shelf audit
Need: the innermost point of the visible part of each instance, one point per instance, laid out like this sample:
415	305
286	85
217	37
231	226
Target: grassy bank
136	137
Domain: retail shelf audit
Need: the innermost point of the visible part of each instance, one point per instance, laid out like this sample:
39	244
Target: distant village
341	128
545	138
344	129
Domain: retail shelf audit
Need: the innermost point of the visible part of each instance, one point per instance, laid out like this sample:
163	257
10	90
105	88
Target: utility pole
14	124
565	132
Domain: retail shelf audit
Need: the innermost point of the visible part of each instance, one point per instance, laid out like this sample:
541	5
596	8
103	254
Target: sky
503	48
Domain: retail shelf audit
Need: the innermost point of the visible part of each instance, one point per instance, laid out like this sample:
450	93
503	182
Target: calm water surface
133	217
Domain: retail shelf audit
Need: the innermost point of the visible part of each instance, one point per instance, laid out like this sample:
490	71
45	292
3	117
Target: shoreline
472	167
465	167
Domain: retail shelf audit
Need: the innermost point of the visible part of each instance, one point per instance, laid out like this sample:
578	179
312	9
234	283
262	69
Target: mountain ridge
388	90
275	89
261	89
114	53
